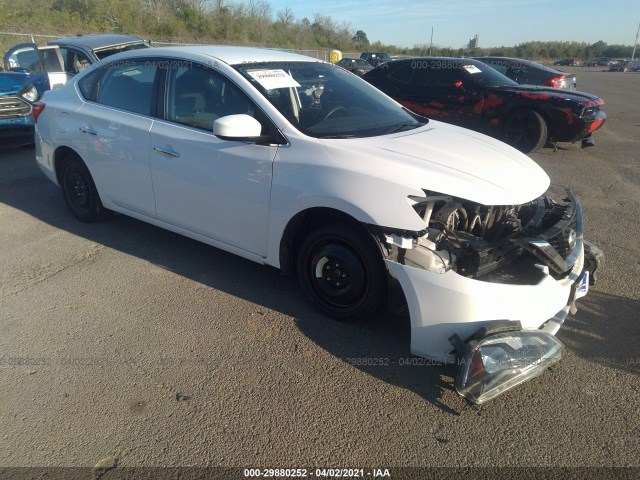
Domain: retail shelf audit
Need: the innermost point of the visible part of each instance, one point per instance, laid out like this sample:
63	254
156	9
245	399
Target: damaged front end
484	242
475	267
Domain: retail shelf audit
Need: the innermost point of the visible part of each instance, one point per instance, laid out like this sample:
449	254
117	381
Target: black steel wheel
340	269
79	191
525	130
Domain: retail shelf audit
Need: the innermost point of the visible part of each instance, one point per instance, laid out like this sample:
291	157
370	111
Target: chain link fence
9	39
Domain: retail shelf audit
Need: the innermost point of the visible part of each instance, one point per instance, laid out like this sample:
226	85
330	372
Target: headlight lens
500	362
29	92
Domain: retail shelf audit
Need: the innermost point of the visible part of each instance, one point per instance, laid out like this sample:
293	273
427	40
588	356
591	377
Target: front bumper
581	128
17	131
446	304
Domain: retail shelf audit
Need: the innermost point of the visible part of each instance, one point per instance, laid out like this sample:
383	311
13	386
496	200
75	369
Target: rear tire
79	191
525	130
341	270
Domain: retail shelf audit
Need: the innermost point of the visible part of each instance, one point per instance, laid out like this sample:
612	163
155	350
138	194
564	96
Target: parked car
567	62
358	66
298	164
531	73
471	94
26	75
31	70
596	62
83	50
16	121
620	65
375	58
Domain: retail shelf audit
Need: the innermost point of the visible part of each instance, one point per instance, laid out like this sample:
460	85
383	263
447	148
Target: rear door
33	59
113	132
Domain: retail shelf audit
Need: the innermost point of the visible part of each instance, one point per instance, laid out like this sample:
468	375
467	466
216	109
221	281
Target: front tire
525	130
79	191
340	269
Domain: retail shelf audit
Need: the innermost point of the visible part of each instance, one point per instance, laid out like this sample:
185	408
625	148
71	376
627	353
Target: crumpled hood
12	82
446	159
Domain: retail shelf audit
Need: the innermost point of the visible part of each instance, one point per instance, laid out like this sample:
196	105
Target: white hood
446	159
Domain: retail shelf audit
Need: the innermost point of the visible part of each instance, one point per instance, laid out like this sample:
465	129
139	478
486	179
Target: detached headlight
29	92
498	363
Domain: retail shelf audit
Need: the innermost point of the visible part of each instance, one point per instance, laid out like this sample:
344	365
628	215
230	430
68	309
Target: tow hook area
593	260
501	356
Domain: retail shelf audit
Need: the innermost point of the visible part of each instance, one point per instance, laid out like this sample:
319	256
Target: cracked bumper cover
444	304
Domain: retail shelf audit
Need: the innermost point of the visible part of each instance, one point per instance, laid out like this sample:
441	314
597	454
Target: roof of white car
230	55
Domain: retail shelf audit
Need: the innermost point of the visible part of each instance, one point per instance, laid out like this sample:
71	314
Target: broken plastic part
402	242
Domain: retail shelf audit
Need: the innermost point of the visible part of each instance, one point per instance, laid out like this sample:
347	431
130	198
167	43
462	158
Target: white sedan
298	164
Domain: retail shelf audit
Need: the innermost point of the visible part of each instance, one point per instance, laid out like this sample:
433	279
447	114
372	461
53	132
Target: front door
216	188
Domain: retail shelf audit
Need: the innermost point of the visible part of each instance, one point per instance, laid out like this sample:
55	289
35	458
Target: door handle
166	151
88	131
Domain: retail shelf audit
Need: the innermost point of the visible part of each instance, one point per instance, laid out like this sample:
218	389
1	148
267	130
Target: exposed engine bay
505	243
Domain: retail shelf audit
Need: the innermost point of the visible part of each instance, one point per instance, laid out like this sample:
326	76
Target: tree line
248	22
532	51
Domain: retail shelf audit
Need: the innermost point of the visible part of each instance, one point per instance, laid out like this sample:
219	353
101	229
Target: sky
497	22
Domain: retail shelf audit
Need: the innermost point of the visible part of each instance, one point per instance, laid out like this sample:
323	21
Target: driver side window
197	96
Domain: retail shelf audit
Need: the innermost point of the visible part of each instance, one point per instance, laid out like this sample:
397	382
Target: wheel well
548	120
58	157
300	225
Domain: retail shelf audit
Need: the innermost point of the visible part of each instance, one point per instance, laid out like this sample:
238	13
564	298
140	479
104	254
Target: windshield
107	52
325	101
484	75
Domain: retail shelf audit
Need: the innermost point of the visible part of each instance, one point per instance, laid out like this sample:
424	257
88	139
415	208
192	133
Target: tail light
38	107
555	82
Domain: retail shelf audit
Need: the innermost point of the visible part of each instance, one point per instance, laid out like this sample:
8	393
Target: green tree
360	39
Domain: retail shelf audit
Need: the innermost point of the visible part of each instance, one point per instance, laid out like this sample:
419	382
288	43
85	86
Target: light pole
635	44
431	43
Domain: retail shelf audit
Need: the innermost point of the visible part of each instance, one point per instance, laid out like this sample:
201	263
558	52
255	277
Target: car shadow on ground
378	346
598	336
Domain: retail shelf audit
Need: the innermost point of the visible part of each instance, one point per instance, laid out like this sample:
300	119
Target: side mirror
239	128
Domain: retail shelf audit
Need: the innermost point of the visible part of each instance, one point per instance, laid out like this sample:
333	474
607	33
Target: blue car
29	70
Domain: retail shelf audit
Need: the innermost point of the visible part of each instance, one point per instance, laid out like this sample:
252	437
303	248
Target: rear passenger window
127	85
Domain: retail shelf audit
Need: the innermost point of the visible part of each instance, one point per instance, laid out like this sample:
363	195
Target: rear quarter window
87	83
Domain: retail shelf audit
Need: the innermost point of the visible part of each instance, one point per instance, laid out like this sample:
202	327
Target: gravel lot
121	340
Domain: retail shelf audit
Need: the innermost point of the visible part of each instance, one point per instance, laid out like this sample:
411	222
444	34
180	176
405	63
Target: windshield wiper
339	136
400	126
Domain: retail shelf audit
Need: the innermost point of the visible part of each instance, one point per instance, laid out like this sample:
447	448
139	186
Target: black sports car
531	73
471	94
